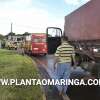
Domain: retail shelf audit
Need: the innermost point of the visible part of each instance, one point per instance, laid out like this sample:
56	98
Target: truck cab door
53	39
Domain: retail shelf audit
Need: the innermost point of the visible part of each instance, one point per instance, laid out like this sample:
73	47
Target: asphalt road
51	92
45	63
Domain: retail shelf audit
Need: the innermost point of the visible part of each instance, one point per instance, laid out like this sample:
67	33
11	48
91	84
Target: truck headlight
95	50
80	48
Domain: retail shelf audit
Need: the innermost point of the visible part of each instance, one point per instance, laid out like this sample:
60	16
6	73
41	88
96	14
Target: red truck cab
39	43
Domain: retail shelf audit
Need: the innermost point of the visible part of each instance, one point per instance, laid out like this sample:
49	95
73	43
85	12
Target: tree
26	33
11	33
1	37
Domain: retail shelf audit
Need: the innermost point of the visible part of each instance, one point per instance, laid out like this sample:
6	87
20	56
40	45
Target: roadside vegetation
14	66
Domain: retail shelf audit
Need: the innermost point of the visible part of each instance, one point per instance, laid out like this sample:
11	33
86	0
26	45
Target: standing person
22	49
63	57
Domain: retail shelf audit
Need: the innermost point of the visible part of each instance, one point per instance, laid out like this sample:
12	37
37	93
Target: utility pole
11	31
11	27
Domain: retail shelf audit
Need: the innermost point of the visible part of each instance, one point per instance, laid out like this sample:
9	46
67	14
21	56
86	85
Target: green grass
14	66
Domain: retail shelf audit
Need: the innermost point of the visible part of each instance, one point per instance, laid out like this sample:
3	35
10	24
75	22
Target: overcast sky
35	15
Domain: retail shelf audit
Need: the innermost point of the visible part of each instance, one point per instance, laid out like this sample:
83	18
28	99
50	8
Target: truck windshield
39	40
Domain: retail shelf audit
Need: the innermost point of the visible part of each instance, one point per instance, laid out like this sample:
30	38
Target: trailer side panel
84	23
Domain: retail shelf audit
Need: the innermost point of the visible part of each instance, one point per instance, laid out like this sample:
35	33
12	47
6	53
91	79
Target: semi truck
35	43
82	28
83	31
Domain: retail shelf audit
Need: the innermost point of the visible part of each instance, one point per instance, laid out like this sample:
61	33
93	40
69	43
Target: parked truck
35	43
82	27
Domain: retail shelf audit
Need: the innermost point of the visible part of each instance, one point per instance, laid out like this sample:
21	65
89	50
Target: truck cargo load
82	27
84	23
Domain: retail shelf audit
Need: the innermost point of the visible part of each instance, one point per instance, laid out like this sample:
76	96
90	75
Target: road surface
51	92
45	65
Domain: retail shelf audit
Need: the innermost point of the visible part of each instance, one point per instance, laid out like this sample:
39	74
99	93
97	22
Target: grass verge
14	66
